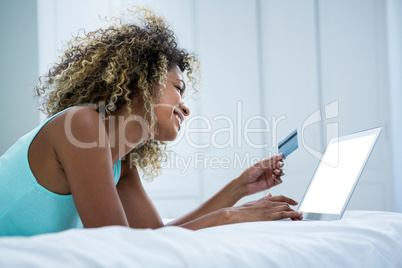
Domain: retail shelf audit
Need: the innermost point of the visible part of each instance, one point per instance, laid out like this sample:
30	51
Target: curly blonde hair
113	65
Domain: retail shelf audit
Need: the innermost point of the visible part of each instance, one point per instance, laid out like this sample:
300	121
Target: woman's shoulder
82	117
76	125
79	114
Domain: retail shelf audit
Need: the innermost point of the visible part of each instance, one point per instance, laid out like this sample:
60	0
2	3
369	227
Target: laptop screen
337	173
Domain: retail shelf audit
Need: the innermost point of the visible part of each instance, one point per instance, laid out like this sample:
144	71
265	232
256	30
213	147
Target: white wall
270	59
394	12
354	68
18	69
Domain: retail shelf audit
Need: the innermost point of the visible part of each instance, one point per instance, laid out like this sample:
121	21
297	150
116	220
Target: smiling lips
179	116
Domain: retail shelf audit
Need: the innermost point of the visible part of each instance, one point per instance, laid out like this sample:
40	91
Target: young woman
114	98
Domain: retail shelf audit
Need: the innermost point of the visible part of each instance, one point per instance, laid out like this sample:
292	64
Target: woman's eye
180	90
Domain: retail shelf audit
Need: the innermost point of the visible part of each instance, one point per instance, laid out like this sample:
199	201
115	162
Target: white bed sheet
360	239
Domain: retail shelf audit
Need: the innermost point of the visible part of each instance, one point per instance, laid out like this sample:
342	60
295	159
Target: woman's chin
174	136
171	136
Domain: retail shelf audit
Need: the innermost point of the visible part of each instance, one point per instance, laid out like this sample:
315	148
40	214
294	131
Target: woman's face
170	111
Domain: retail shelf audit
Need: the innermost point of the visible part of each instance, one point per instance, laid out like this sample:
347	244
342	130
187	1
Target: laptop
337	174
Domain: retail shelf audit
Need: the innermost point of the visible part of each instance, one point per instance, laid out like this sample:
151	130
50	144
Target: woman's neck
125	132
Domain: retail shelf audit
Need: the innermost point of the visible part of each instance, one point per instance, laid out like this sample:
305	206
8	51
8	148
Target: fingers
293	215
268	208
277	180
281	198
271	162
279	172
268	195
279	164
298	218
281	205
283	213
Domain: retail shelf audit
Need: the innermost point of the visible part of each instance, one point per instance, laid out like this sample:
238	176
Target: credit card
288	144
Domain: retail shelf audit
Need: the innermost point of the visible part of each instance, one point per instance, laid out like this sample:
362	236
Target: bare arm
226	197
265	209
89	171
218	210
140	211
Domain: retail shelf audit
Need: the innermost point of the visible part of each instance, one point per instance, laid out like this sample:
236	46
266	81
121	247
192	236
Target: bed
360	239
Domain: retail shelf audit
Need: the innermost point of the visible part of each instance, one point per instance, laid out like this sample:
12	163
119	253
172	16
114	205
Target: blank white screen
331	185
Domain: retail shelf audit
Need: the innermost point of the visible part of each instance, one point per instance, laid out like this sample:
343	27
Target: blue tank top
26	207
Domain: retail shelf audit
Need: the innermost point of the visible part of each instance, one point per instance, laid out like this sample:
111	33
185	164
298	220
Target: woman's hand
262	175
265	209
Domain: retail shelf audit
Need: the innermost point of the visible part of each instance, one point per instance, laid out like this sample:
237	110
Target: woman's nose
185	109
